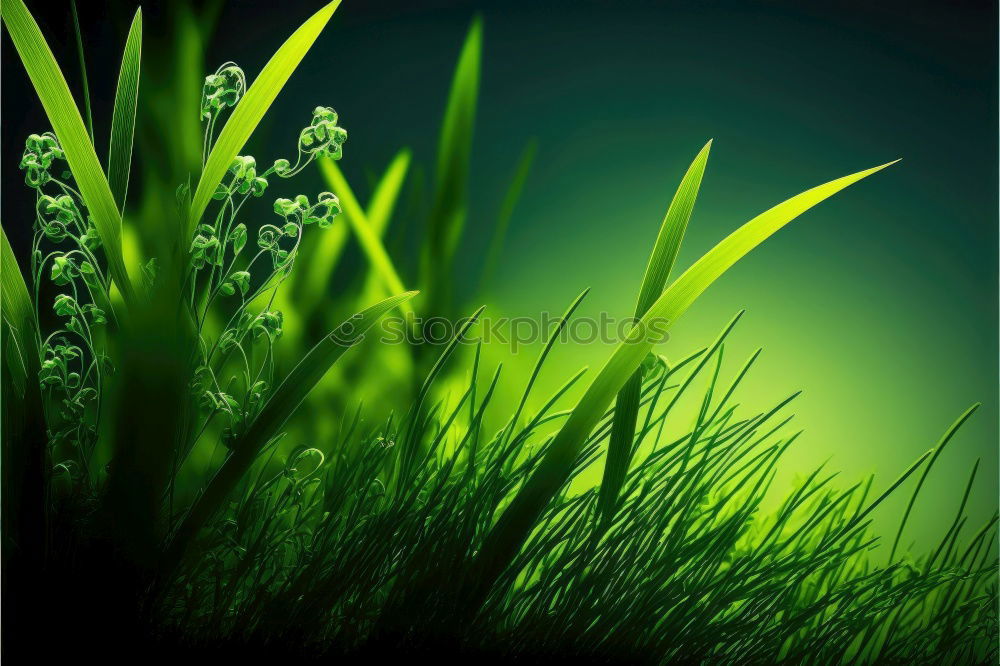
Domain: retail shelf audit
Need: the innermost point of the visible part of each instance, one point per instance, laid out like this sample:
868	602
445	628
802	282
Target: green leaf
515	524
448	209
367	237
16	309
253	106
661	261
312	280
507	211
123	117
386	194
62	112
283	402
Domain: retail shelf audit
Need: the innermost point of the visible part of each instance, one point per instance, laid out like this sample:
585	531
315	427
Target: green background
881	304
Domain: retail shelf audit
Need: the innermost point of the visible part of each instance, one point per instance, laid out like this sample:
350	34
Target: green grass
153	495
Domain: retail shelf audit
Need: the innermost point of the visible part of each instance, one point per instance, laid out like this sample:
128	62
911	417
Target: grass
152	497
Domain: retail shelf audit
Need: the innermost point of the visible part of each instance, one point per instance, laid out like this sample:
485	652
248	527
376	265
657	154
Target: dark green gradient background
880	304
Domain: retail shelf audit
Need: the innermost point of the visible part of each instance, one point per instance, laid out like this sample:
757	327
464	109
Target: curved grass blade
62	112
252	108
285	400
947	437
661	261
448	208
368	238
510	200
123	116
515	524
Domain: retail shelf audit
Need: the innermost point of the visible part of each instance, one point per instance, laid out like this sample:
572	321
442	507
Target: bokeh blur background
880	304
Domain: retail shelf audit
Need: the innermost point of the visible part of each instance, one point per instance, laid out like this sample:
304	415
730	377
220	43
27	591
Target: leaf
386	194
16	308
452	174
367	238
507	211
283	402
312	280
62	112
123	117
508	534
251	109
661	261
942	443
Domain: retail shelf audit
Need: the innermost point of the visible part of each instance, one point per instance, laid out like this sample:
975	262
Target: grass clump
150	496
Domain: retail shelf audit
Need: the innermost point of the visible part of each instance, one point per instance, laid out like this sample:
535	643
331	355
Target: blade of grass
252	108
927	470
515	524
661	261
15	305
311	280
285	400
452	174
62	112
367	237
83	69
123	116
510	200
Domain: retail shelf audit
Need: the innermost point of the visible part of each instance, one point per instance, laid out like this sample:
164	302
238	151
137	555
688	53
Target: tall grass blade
515	524
368	238
448	208
16	300
16	308
62	112
510	200
661	261
947	437
123	116
251	109
312	280
285	400
83	69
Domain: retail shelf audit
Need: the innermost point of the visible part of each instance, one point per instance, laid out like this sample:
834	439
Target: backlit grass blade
62	112
16	308
368	238
252	108
312	279
386	194
661	261
515	524
285	400
123	116
510	200
448	208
